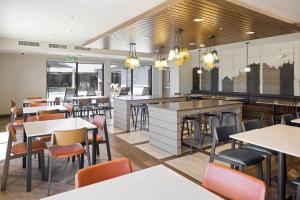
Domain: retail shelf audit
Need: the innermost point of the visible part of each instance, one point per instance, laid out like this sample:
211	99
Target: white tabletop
32	110
296	121
281	138
155	183
40	128
88	97
27	101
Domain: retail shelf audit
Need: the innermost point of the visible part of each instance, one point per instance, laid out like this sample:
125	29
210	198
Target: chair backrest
287	119
42	112
69	93
103	100
56	101
124	91
34	97
85	102
146	91
251	125
13	103
233	184
99	121
91	92
69	107
44	117
11	129
69	137
103	171
222	133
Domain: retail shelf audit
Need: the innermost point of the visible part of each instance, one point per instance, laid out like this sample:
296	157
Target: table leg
281	175
29	159
24	140
94	147
274	114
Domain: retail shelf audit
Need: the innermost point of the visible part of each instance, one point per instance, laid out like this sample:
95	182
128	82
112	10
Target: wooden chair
67	144
238	158
43	112
103	104
18	150
70	109
85	107
232	184
100	122
37	103
102	172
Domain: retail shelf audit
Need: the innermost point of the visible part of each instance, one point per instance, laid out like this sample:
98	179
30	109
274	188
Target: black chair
267	153
191	121
238	158
287	120
124	91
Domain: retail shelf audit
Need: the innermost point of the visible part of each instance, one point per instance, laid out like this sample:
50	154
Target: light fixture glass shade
132	61
247	69
199	71
178	54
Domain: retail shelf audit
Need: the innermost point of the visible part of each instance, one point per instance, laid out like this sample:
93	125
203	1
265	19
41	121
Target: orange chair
37	103
68	144
34	97
233	184
44	117
102	172
100	122
20	150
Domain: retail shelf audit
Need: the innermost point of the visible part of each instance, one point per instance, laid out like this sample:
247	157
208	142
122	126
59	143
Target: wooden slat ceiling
227	21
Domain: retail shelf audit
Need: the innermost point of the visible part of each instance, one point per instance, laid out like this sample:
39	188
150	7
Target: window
85	79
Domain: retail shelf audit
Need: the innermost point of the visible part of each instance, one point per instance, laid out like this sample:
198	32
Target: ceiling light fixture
202	45
178	54
192	43
160	62
199	71
210	58
247	68
250	32
132	61
198	20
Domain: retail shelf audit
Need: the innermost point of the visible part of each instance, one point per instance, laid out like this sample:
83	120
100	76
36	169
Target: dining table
281	138
158	182
46	128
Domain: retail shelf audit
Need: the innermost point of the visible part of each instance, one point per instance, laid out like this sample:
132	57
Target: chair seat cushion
66	151
21	148
242	156
99	138
261	149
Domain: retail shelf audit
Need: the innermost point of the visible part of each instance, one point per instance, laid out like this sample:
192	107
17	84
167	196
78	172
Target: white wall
21	76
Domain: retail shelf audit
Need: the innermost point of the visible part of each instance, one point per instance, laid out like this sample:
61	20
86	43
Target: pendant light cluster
160	62
132	61
247	68
210	58
178	54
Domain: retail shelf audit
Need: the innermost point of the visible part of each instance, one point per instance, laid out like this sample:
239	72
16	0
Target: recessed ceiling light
250	32
192	43
198	20
220	28
202	45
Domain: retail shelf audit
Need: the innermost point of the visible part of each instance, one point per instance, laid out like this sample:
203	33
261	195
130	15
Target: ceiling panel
227	21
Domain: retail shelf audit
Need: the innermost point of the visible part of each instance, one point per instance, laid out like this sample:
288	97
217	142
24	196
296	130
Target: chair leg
108	150
42	164
268	170
39	160
182	129
259	171
79	162
49	175
5	173
97	150
82	160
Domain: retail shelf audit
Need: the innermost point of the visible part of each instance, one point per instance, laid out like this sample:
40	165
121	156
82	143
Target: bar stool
191	121
213	120
142	110
229	115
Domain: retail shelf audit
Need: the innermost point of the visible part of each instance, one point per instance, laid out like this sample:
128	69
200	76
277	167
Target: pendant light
247	68
178	54
210	58
132	61
160	62
199	71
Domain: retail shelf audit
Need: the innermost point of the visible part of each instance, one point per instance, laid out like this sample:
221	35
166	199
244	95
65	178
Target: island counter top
133	98
195	104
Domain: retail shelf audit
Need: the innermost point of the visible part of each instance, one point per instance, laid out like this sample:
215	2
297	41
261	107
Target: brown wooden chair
103	104
42	112
67	144
34	97
18	150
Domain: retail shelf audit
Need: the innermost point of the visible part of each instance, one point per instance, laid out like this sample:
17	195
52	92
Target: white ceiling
66	21
286	10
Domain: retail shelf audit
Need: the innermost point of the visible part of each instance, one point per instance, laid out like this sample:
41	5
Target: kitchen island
122	106
166	120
